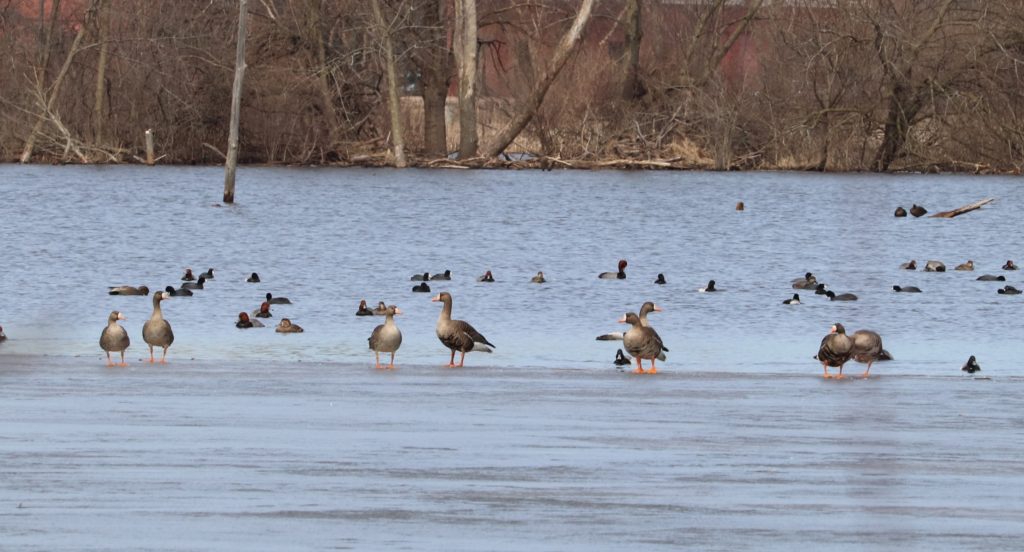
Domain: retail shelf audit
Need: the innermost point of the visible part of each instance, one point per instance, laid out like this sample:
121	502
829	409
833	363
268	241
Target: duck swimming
991	278
421	288
420	277
538	279
263	311
934	266
208	274
971	366
458	335
969	265
286	326
795	300
178	292
906	289
901	212
1008	290
487	277
841	297
114	338
1009	266
188	277
446	276
363	309
128	290
820	290
620	275
244	322
386	338
660	280
912	265
381	309
156	332
709	288
621	359
253	278
277	300
918	211
198	284
809	281
3	337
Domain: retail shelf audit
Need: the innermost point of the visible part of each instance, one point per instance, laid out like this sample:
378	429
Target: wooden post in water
236	102
150	156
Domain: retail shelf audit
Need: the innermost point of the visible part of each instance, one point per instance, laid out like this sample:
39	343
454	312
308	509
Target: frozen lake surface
251	440
310	456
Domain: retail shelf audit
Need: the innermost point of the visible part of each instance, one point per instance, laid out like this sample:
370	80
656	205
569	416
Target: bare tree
465	40
394	107
236	102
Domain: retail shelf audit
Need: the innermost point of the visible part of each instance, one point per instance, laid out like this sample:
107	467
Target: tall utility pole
236	102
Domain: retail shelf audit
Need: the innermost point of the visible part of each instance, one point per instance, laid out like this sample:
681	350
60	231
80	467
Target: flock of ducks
641	340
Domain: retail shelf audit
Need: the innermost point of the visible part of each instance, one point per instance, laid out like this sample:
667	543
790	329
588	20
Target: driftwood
965	209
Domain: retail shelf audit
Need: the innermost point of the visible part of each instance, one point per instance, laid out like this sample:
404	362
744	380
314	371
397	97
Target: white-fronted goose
901	212
277	300
1008	290
363	309
867	348
645	309
421	288
156	332
918	211
912	265
795	300
643	342
263	311
128	290
969	265
420	277
538	279
286	326
620	275
178	292
188	277
253	278
934	266
386	338
198	284
841	297
244	322
835	349
114	338
458	335
208	274
906	289
487	277
660	280
447	275
1009	266
991	278
971	366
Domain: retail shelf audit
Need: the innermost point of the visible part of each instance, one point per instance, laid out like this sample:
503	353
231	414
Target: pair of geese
457	335
837	348
641	340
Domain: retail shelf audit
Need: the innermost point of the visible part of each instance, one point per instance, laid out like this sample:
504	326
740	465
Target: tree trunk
98	111
236	104
394	106
434	64
465	59
632	87
529	106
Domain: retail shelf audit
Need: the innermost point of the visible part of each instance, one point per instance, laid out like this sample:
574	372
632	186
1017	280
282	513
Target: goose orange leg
377	365
825	366
639	367
392	365
123	363
654	369
151	359
110	362
163	359
865	374
461	358
451	363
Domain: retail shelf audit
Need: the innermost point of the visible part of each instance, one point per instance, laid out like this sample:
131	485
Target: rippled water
327	238
251	440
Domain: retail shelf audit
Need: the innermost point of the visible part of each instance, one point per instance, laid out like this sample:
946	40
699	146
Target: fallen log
965	209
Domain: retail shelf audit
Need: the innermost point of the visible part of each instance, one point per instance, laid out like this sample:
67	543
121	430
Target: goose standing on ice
458	335
156	332
386	338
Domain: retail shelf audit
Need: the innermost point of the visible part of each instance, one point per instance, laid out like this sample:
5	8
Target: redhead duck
795	300
286	326
263	311
1009	266
660	280
277	300
740	206
198	284
114	338
245	322
386	338
253	278
178	292
538	279
620	275
457	335
421	288
156	332
128	290
487	277
188	277
363	309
